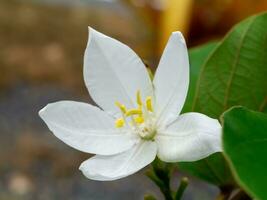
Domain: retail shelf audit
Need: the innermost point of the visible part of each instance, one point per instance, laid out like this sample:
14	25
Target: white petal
107	168
113	72
86	128
191	137
172	79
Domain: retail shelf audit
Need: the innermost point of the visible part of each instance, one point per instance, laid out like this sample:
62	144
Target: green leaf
197	56
213	169
235	73
245	146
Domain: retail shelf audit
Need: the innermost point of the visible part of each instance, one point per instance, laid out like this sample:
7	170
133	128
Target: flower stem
163	185
181	189
160	175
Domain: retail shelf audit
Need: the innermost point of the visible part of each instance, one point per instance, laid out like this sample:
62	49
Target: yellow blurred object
119	123
174	17
139	120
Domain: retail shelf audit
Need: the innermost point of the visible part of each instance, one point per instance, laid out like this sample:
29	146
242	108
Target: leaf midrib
235	63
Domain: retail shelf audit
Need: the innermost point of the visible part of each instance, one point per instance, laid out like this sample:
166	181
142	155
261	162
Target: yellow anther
139	119
121	107
138	98
119	123
133	112
149	104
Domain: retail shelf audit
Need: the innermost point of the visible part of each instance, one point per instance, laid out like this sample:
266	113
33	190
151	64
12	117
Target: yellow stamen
121	107
149	104
139	119
133	112
119	123
138	98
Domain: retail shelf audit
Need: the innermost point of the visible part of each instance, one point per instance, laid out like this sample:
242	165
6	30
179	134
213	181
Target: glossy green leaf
245	145
235	73
197	57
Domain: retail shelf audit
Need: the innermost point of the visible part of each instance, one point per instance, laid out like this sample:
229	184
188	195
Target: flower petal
191	137
86	128
107	168
113	72
172	79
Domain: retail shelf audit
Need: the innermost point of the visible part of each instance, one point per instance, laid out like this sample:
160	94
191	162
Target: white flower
140	119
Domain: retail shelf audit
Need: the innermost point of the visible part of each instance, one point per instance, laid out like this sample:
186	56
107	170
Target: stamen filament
138	98
141	118
133	112
149	104
121	107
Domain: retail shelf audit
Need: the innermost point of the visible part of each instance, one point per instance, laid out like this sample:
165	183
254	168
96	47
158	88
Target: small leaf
245	146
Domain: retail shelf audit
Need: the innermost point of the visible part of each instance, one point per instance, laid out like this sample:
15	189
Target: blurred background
41	53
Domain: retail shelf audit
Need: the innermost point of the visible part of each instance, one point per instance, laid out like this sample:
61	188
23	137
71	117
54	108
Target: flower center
141	119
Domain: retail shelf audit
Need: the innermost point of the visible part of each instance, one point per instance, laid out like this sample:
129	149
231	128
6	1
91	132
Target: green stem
163	185
181	189
167	193
160	175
